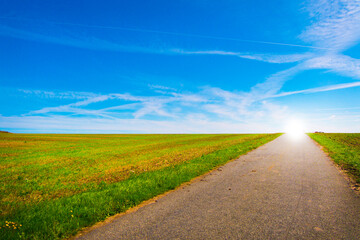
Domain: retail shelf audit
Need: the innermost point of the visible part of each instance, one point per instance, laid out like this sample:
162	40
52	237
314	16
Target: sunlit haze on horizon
180	66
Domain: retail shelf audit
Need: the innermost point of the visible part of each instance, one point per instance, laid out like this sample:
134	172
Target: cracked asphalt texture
286	189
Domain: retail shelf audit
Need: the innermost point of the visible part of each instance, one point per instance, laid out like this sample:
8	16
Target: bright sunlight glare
295	129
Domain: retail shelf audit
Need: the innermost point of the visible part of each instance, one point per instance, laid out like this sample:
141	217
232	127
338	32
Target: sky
190	66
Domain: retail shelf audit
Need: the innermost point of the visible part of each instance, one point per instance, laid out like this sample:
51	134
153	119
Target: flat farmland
343	148
53	185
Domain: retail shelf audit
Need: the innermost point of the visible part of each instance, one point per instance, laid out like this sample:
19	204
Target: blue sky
179	66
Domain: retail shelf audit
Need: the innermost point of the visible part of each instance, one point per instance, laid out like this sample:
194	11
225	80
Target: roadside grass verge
343	148
63	217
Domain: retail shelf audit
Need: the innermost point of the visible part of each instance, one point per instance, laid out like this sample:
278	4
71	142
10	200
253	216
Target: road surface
286	189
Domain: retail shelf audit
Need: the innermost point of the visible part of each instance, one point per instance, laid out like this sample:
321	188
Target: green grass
54	185
343	148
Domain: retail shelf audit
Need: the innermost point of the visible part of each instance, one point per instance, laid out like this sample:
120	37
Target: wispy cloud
274	83
320	89
337	24
140	106
270	58
335	28
213	106
154	86
337	63
86	43
57	94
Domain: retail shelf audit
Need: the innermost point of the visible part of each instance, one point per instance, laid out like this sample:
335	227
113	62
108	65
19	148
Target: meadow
54	185
343	148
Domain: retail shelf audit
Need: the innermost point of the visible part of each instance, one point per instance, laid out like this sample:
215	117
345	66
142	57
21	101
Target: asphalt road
286	189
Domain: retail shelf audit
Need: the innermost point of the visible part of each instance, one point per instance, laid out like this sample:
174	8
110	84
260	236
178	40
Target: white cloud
338	63
337	24
320	89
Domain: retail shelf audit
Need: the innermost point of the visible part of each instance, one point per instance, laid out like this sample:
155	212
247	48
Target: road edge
355	187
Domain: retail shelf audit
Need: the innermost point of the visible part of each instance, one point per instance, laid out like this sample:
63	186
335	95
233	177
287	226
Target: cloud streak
156	32
90	43
270	58
320	89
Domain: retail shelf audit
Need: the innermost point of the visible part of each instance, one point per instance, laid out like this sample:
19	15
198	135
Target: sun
295	128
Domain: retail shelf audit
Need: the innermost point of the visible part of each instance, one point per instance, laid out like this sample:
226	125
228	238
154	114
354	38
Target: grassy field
53	185
343	148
